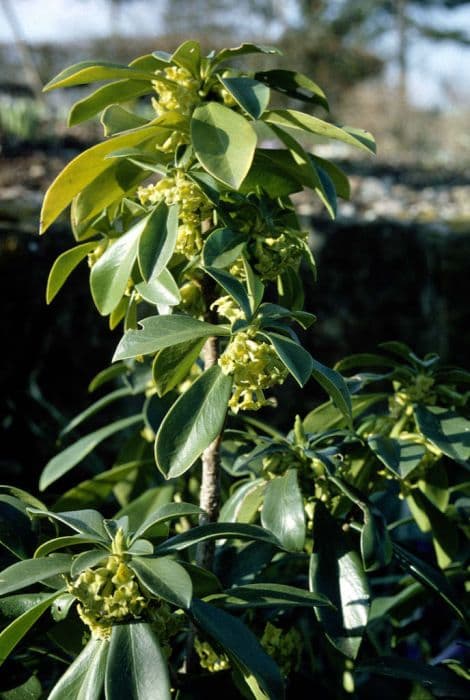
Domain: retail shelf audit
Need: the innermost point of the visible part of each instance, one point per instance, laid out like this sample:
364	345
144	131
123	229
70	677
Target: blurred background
394	265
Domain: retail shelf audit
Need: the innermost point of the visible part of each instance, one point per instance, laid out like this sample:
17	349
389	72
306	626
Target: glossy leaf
294	85
96	407
87	522
165	512
110	274
442	682
64	265
334	384
136	668
93	71
188	55
119	91
337	573
255	287
306	123
251	95
444	531
85	168
115	119
164	578
214	531
15	631
193	422
161	290
447	430
262	595
171	365
429	577
337	176
241	646
243	50
401	457
84	679
222	247
157	241
283	510
61	543
298	361
159	332
87	560
16	533
107	375
73	455
29	571
233	287
376	545
224	142
244	503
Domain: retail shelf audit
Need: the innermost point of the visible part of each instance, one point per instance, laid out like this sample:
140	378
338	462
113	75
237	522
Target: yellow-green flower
284	647
208	657
255	367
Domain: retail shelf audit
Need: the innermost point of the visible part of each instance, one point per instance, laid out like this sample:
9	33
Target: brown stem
210	482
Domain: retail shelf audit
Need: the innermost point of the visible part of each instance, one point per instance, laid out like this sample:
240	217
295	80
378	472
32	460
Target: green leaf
233	287
327	416
338	177
171	365
136	668
165	512
84	679
16	533
334	384
84	169
164	578
115	119
263	595
243	505
273	171
306	123
337	573
29	571
294	85
86	522
188	55
222	247
429	577
157	241
93	71
401	457
376	545
447	430
107	375
95	408
298	361
120	91
254	285
60	543
193	422
64	266
160	290
160	332
110	274
16	630
430	519
242	647
251	95
283	511
215	531
442	682
87	560
71	456
224	142
243	50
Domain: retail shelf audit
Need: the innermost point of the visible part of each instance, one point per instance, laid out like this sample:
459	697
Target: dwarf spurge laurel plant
302	571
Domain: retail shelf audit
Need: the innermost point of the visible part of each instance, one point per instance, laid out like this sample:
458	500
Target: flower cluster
284	647
107	594
194	208
177	90
255	367
209	658
274	254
